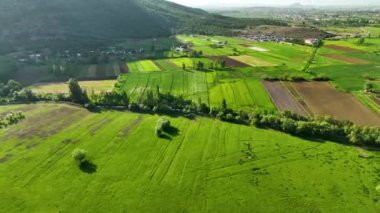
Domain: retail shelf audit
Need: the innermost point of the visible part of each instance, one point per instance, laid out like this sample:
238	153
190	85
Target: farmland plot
143	66
255	62
282	98
59	87
323	99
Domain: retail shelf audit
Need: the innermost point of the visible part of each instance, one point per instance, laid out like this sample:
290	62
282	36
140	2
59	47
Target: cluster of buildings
267	38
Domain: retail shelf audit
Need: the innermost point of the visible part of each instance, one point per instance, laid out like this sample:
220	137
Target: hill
68	23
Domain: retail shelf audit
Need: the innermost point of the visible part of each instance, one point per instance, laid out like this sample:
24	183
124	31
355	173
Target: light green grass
142	66
207	167
96	86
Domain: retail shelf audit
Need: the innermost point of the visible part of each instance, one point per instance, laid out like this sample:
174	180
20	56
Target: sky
242	3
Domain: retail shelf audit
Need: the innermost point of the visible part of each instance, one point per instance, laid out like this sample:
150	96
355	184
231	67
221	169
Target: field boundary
293	92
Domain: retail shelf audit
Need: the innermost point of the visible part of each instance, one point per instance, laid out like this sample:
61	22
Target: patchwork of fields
206	165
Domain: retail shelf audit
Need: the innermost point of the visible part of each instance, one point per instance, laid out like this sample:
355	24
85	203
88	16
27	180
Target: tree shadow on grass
88	167
169	133
172	131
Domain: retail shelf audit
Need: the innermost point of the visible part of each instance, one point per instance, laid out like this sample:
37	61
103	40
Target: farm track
282	98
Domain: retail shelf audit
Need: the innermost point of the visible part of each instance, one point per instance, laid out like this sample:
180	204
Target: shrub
320	78
79	155
162	126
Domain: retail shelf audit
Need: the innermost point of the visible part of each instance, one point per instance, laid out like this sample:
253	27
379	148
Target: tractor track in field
145	87
136	85
116	135
289	86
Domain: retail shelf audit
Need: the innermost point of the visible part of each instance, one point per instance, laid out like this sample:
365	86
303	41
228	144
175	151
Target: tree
183	66
162	125
77	95
79	155
224	104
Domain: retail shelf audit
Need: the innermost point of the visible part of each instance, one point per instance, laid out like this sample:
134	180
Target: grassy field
204	166
96	86
238	89
142	66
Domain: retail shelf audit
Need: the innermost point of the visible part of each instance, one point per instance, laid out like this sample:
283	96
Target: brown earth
323	99
229	61
347	59
282	98
342	48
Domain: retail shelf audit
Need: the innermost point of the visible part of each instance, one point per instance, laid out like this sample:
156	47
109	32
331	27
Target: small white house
311	41
179	49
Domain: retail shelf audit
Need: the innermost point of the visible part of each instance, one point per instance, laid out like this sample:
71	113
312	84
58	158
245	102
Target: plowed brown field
282	98
323	99
342	48
229	61
347	59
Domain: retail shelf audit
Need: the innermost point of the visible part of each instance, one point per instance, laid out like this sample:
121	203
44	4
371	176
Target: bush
79	155
320	78
162	126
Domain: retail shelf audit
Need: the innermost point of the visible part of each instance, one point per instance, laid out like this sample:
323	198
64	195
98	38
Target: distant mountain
31	24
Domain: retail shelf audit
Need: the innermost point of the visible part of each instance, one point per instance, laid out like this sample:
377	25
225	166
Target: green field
240	90
96	86
142	66
205	166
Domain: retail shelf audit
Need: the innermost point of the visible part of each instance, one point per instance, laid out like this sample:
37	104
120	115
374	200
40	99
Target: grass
96	86
204	166
143	66
240	90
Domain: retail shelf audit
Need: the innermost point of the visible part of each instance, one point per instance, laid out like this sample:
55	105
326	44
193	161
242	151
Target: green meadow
203	165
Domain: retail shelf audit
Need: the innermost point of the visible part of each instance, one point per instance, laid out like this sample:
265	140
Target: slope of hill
64	23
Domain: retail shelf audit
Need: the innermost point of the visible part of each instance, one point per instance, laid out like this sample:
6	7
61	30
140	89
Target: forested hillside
34	24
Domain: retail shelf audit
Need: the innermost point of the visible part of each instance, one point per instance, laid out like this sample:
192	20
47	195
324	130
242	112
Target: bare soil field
229	61
289	86
342	48
347	59
323	99
282	98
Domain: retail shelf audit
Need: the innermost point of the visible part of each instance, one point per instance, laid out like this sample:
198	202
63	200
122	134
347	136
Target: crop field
204	166
255	62
347	59
52	88
142	66
294	56
282	98
210	87
323	99
229	61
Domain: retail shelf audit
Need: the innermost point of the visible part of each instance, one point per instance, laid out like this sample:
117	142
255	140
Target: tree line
154	101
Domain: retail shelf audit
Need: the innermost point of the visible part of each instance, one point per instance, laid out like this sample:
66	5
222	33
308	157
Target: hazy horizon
247	3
